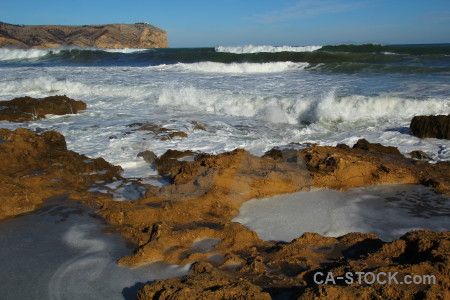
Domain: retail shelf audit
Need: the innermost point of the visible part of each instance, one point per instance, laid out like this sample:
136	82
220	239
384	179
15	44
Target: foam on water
17	54
270	49
294	110
255	111
234	68
388	211
124	50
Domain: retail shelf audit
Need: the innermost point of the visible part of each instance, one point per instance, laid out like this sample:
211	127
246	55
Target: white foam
270	49
357	108
123	50
237	68
388	211
17	54
326	109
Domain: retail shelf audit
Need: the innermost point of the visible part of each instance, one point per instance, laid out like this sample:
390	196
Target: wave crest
215	67
19	54
269	49
327	109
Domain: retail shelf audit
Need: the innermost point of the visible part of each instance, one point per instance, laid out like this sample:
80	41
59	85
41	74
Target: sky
206	23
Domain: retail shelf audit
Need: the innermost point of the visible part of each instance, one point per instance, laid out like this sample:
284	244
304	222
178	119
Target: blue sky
196	23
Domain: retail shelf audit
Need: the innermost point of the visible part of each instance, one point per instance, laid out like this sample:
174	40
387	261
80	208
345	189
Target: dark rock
148	156
363	144
420	155
27	108
173	135
169	160
431	126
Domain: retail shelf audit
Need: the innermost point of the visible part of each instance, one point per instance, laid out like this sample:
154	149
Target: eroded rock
431	126
27	108
36	167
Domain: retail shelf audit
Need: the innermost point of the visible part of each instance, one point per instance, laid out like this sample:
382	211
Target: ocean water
252	97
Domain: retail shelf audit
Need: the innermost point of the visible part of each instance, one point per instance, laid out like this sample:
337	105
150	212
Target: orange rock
37	167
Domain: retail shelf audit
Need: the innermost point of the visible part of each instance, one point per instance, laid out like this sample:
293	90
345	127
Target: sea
253	97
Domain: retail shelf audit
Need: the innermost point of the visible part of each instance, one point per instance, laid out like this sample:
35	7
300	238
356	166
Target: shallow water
388	211
62	252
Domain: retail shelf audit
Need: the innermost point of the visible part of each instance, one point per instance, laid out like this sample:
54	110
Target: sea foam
19	54
247	68
270	49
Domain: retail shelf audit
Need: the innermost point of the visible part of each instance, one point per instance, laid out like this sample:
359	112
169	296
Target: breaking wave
267	49
328	109
215	67
325	108
19	54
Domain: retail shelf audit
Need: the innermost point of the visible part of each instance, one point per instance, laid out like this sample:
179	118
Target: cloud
306	9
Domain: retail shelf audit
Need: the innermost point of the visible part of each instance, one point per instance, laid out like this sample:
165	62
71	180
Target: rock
198	126
431	126
27	108
277	269
159	131
420	155
171	224
203	286
149	156
37	167
113	36
170	160
173	135
363	144
416	253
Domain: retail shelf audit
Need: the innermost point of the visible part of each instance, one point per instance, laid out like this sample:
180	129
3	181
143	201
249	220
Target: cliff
111	36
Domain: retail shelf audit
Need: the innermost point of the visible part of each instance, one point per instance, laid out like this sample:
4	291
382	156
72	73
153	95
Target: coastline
193	217
187	138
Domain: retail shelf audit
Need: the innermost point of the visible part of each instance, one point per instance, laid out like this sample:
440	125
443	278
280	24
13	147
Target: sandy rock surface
35	167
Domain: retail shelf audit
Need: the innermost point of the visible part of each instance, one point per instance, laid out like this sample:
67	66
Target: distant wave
267	49
19	54
419	49
7	54
215	67
352	59
123	50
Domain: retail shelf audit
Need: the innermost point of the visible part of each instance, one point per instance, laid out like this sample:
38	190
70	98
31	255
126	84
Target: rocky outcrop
190	221
206	194
27	108
111	36
300	270
37	167
369	164
431	126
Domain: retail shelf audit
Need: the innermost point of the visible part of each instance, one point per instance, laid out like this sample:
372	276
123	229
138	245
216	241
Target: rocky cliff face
112	36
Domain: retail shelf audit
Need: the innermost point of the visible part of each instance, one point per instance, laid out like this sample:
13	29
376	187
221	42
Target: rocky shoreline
190	220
